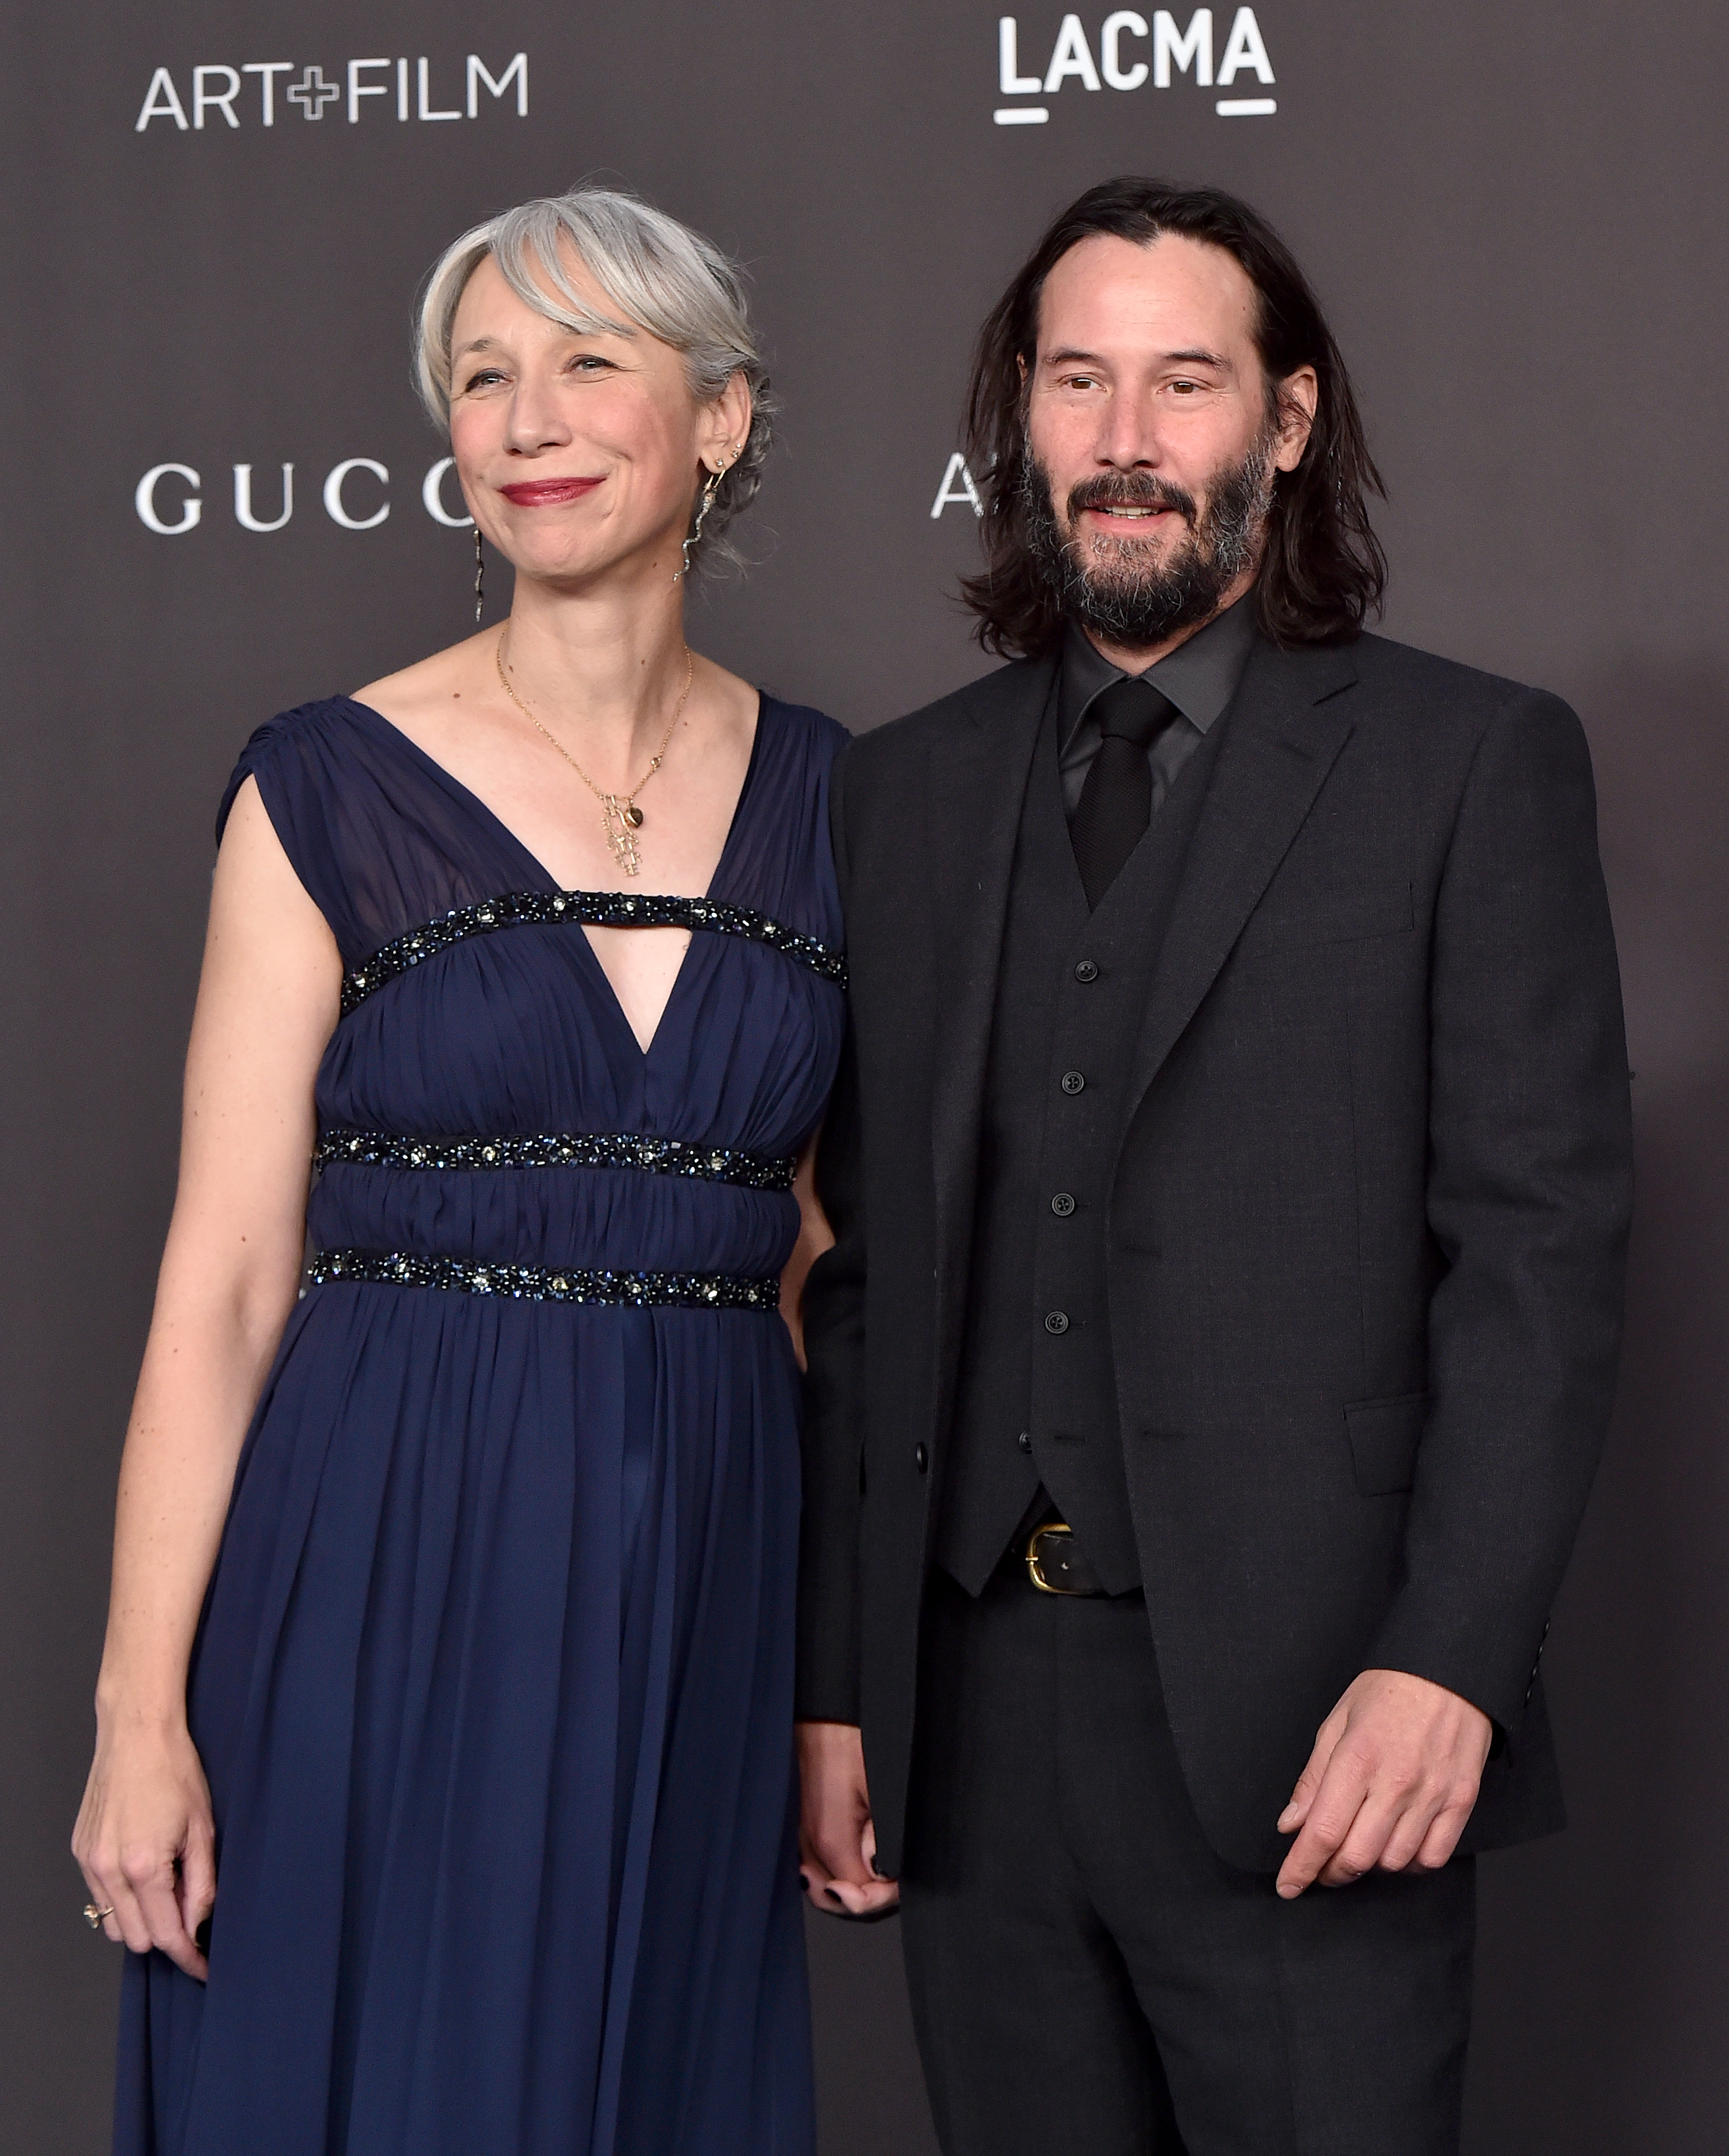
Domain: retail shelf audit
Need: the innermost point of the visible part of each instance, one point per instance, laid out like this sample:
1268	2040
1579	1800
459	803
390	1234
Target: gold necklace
620	817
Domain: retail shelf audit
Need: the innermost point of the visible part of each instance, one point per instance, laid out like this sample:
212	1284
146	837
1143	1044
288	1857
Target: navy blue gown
494	1682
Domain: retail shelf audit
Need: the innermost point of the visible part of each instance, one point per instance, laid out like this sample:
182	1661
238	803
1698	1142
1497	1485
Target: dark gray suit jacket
1367	1226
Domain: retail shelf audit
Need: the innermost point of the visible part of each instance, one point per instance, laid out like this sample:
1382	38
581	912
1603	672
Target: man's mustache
1130	491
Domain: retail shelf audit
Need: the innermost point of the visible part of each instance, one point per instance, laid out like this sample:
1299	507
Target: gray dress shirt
1200	677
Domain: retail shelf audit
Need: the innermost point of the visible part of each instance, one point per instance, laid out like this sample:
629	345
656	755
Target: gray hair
660	276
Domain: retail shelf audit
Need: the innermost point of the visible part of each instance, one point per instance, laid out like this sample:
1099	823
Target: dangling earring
703	507
479	576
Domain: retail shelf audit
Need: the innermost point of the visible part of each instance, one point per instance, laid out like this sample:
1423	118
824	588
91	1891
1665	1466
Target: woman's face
579	456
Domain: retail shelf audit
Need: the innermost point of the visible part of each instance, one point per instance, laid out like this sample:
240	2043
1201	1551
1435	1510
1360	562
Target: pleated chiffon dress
494	1682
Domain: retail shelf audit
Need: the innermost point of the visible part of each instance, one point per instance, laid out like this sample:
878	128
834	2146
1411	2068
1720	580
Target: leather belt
1056	1564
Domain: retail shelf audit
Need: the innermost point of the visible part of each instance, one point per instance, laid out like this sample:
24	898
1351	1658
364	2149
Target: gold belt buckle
1035	1558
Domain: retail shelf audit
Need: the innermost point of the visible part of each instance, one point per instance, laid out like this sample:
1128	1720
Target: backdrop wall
218	214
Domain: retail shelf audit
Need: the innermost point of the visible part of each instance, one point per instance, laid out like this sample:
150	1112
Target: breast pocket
1347	915
1384	1436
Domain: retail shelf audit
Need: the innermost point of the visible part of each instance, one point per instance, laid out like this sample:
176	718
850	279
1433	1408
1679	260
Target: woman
478	1757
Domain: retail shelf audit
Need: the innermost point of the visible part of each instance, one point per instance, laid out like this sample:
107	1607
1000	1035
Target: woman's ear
728	426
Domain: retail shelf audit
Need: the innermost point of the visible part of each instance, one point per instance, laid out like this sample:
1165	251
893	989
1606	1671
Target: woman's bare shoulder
424	691
725	695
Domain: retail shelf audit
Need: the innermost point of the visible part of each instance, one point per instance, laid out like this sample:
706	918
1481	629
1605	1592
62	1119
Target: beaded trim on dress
543	1284
747	1171
597	909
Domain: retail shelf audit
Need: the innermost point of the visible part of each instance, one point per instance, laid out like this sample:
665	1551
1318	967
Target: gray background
1513	214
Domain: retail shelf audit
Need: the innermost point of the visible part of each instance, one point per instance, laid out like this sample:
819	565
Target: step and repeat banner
222	499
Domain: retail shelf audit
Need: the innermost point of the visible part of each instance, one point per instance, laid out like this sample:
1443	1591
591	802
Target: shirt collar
1200	676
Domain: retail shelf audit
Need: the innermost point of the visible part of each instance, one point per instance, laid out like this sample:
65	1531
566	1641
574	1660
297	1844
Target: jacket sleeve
827	1669
1529	1193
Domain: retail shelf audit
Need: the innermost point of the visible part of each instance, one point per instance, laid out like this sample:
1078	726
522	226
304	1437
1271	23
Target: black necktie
1115	804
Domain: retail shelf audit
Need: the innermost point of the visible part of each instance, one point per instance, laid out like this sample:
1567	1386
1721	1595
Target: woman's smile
547	493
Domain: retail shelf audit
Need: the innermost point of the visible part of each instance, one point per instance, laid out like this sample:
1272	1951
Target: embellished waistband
746	1171
542	1284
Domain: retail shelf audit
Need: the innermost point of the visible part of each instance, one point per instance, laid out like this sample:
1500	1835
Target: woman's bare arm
268	1000
815	1237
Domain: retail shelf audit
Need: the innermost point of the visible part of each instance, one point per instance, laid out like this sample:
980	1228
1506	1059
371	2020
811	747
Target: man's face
1153	445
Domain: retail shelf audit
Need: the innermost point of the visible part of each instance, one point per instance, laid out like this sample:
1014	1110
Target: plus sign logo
312	93
219	95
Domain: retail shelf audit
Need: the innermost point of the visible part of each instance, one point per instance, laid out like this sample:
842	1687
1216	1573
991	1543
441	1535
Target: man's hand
1389	1785
837	1842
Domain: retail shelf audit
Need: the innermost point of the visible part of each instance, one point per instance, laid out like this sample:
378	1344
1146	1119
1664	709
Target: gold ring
92	1916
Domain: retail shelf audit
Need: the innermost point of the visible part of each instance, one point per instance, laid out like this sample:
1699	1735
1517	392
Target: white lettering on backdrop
343	501
1172	52
217	87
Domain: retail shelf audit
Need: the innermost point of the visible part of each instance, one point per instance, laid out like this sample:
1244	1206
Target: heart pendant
632	816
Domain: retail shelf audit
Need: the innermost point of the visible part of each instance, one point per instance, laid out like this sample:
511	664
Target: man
1231	1178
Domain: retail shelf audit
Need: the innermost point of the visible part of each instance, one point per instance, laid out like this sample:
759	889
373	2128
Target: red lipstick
547	493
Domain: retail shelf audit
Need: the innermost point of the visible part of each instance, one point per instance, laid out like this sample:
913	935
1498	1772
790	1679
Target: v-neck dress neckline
543	878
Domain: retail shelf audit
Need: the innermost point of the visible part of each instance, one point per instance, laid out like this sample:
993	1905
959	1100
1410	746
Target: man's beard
1111	586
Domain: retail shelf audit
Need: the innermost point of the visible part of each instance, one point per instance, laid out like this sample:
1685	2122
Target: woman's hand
146	1842
837	1836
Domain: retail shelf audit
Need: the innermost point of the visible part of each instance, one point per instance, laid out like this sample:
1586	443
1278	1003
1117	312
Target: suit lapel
1282	736
977	786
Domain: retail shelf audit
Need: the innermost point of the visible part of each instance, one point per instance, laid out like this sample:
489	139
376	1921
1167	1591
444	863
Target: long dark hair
1322	571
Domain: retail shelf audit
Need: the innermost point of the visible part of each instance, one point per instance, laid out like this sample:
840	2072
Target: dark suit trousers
1088	1977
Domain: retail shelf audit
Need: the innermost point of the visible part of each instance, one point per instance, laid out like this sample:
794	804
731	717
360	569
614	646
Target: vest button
1056	1320
920	1458
1087	971
1025	1441
1062	1204
1073	1082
